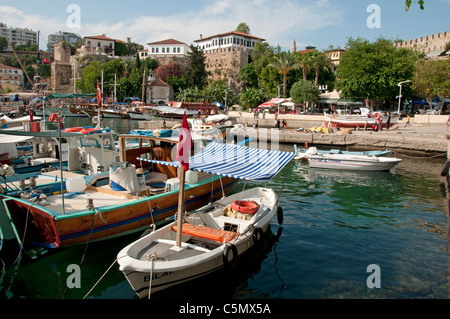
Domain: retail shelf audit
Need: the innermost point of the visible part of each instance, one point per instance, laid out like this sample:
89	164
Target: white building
226	40
167	48
99	44
18	36
69	37
11	75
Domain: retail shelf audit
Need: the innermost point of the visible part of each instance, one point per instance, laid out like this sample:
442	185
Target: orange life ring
245	206
53	117
73	129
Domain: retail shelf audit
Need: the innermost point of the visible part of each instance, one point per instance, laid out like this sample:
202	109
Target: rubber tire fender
280	216
258	237
226	262
445	169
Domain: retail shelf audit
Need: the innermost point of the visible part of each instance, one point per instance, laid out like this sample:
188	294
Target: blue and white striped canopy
236	161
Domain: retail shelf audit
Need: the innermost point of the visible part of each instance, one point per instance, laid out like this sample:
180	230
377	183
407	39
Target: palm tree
319	59
304	59
284	62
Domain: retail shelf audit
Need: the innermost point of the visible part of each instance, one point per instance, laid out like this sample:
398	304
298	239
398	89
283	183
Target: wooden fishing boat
106	210
357	121
214	236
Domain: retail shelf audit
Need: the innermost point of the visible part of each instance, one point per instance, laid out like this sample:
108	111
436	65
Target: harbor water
344	235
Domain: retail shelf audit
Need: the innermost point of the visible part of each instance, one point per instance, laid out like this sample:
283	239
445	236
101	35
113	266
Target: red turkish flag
99	97
46	61
184	144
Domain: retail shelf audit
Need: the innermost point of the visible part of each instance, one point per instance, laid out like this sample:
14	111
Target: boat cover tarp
173	110
236	161
69	95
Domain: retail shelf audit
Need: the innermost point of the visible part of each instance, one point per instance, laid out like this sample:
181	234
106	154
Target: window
168	50
99	44
157	50
178	50
153	50
163	50
174	50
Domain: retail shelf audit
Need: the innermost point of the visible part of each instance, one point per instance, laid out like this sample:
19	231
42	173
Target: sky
318	23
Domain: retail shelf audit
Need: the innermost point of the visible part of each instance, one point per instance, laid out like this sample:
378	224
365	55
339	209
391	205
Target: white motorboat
351	162
214	236
302	154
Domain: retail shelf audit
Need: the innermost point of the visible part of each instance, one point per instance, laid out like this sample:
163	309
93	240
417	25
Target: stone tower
61	69
293	47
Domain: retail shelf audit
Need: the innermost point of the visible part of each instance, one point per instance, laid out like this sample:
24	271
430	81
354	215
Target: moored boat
351	162
123	203
302	154
358	121
214	236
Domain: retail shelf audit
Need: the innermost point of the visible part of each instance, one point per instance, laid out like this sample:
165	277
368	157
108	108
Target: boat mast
23	69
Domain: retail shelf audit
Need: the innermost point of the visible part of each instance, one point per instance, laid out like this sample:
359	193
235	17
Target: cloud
278	21
14	17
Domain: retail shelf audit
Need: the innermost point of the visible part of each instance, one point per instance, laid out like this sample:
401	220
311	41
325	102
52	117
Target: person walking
407	120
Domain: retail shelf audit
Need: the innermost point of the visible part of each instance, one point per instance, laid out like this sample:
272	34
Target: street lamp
400	94
278	87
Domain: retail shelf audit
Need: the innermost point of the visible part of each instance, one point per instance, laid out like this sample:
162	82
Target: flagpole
183	152
181	204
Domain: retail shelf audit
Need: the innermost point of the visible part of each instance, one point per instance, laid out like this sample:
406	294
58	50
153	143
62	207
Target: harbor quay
426	134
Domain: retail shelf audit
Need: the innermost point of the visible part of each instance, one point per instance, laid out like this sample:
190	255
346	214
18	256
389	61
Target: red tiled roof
306	51
159	82
101	37
168	41
229	33
4	66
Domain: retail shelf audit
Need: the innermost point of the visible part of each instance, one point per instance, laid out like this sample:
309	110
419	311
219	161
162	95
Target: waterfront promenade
425	134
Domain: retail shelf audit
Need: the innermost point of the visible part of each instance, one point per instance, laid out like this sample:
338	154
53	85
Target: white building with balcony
18	36
166	48
99	44
228	40
69	37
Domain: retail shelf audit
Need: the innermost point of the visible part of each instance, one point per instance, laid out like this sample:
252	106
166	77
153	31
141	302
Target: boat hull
357	121
361	163
58	230
143	274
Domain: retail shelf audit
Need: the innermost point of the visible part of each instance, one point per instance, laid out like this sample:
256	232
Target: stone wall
426	44
183	61
226	63
61	77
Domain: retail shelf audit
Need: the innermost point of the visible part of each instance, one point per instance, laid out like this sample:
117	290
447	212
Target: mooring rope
95	285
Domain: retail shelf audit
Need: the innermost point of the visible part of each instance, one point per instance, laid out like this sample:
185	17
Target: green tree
304	91
409	2
432	79
3	44
284	62
319	60
196	74
243	28
252	97
374	70
304	60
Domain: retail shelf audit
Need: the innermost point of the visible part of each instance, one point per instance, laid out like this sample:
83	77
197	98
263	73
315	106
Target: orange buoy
89	130
245	206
